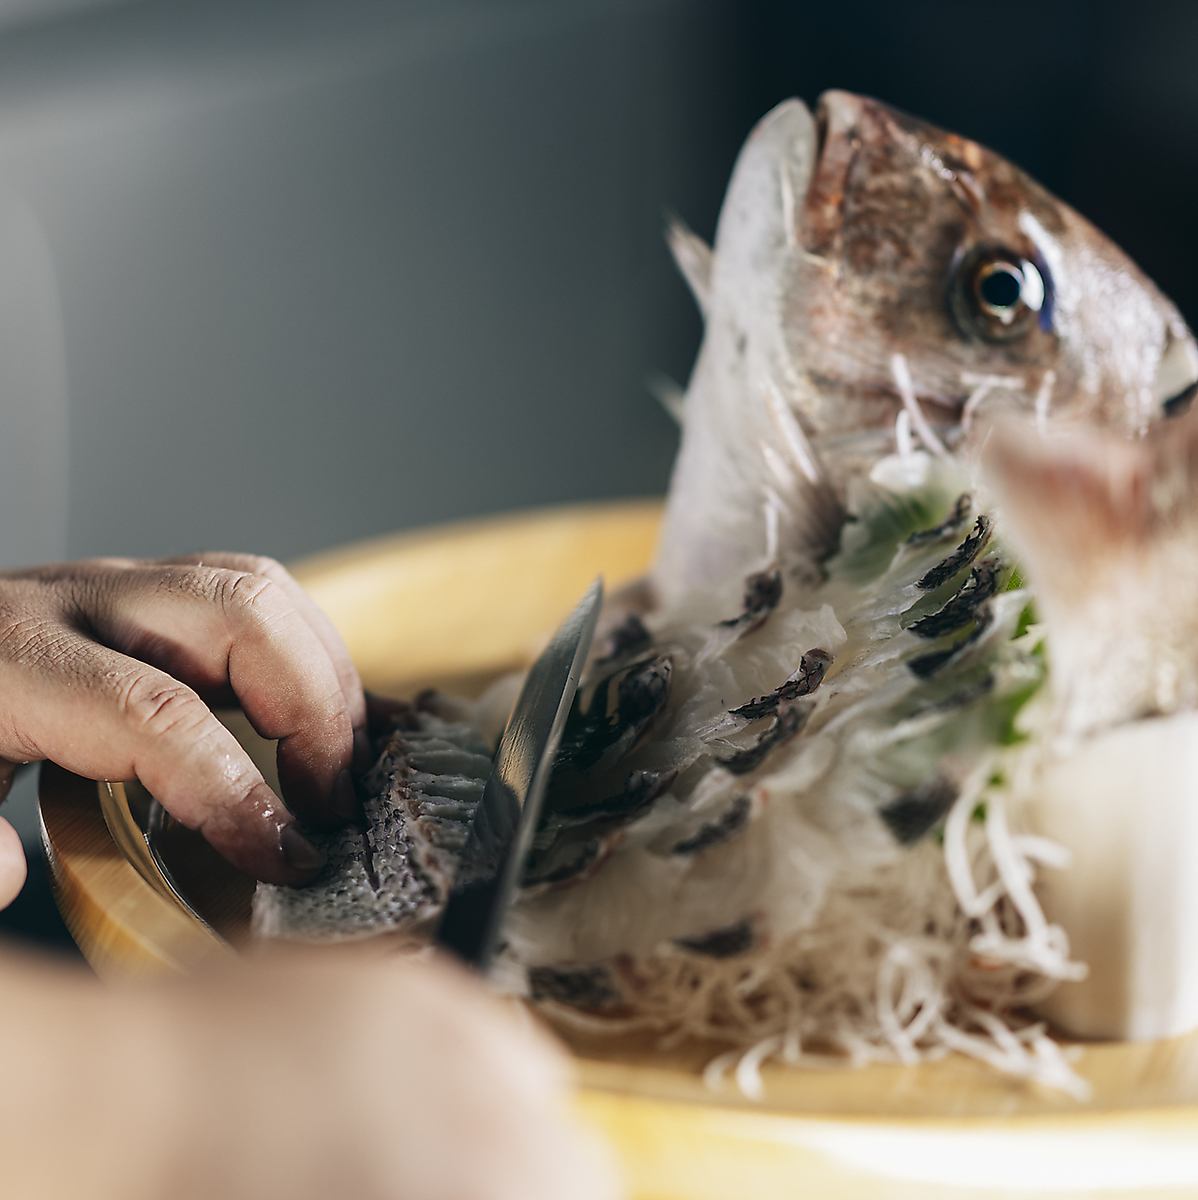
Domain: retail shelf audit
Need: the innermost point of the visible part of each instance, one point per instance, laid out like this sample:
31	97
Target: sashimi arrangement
894	738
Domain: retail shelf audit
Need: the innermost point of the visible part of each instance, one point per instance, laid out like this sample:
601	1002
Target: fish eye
996	294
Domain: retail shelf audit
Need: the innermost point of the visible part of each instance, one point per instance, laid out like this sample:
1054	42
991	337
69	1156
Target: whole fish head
918	242
876	280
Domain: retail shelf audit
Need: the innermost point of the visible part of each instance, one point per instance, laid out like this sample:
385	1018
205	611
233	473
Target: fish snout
837	112
1177	372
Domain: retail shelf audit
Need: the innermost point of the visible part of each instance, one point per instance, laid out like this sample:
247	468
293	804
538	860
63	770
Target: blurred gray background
275	276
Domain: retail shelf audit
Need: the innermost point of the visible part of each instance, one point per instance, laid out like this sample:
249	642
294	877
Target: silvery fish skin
857	248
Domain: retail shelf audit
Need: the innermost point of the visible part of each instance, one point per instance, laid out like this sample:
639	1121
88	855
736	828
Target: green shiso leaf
872	535
1027	618
1009	706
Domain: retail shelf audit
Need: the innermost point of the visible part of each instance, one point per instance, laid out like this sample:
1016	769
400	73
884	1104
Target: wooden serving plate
454	607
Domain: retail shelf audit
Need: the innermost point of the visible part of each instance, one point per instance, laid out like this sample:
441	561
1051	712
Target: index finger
318	620
103	715
211	627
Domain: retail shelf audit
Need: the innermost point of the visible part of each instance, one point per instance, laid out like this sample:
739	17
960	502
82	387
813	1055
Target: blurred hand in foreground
107	668
378	1079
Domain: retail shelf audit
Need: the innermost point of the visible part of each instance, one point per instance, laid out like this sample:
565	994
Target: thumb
12	864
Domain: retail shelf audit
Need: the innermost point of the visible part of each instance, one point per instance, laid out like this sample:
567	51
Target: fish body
868	269
779	811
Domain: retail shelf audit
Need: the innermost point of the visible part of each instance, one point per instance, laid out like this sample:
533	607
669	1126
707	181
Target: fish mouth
846	127
838	119
822	121
1177	373
1181	401
837	111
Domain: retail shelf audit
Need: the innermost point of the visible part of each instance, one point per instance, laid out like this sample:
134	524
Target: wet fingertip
299	853
308	791
344	800
315	810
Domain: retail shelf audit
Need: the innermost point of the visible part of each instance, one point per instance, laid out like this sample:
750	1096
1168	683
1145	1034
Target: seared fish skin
393	875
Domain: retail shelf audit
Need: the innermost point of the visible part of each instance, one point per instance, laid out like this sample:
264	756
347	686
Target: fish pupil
995	294
1001	286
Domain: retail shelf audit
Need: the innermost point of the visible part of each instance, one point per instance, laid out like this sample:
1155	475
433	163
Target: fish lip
1177	372
836	113
1180	402
820	118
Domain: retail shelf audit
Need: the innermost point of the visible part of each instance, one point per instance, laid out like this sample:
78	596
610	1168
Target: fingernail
298	852
344	801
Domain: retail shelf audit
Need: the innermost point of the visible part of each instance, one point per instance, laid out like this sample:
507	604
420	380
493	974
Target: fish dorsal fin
758	219
757	225
732	465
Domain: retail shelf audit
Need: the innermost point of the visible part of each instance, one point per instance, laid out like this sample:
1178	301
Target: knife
502	829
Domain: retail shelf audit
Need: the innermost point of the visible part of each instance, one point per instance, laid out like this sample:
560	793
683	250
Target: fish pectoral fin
1078	502
669	395
693	256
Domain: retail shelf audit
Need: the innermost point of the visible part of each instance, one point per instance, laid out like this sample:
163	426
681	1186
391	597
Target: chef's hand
384	1079
106	667
381	1080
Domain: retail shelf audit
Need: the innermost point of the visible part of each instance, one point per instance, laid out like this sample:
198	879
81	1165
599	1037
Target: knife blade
502	829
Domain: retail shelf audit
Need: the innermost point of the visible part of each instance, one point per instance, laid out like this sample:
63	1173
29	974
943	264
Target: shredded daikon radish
890	972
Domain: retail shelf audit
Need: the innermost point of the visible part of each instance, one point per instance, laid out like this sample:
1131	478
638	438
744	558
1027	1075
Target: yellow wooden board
457	605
